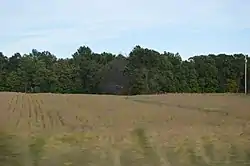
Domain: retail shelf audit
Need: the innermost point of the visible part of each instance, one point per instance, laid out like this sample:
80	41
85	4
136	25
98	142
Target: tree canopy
144	71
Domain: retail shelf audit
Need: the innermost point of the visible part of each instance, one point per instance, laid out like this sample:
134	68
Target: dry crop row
32	112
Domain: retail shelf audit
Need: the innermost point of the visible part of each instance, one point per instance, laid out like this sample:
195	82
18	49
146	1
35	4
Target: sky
190	27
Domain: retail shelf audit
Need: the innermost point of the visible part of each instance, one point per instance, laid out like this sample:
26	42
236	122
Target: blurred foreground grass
79	149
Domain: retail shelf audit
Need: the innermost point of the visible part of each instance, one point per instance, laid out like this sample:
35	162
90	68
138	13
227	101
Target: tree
144	71
3	71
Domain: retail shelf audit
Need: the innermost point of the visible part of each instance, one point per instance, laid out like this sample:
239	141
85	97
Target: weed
36	149
149	156
9	154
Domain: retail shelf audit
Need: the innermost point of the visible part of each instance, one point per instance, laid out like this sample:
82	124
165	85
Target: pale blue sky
189	27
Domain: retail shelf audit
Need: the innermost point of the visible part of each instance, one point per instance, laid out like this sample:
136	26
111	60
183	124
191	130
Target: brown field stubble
171	127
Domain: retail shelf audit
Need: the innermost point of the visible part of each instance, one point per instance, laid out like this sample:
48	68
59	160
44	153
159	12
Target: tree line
143	71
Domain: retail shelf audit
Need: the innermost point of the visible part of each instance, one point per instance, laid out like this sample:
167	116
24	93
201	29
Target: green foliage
36	149
144	71
231	86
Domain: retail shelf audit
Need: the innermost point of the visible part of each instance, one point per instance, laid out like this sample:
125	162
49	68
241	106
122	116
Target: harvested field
172	129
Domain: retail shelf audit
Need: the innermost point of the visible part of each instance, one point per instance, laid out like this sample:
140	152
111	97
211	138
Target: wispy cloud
61	26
